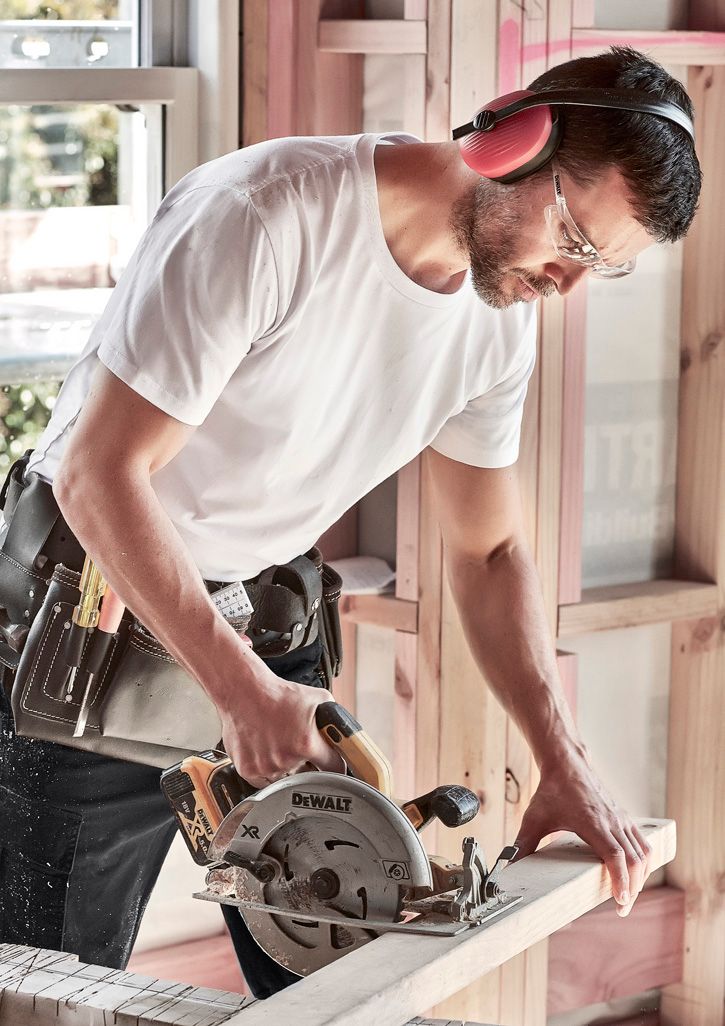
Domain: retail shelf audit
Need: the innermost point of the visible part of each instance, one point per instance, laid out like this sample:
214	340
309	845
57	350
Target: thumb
527	839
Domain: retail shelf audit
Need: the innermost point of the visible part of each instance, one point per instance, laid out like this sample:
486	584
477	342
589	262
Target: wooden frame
464	54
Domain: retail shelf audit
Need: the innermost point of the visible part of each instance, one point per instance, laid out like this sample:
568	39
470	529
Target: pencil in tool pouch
85	617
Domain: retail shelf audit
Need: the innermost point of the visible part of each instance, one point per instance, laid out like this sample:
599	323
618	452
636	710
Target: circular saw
321	863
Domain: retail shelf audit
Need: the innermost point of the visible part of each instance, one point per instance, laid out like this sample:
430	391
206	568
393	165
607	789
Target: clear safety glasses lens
571	244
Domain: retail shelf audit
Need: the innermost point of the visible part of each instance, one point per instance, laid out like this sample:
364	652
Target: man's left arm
498	594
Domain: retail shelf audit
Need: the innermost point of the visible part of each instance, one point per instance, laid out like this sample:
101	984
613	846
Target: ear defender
516	134
508	150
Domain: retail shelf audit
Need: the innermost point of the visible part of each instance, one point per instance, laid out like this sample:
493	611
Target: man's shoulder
249	170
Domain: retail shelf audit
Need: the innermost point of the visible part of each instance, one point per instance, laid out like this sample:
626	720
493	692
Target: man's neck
418	183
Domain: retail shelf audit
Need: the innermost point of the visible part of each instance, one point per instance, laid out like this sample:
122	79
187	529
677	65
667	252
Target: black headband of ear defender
635	100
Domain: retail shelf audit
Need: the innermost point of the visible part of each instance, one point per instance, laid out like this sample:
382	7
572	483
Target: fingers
325	757
625	854
528	837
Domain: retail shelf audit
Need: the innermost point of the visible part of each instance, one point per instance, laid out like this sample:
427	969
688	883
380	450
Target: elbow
506	551
67	487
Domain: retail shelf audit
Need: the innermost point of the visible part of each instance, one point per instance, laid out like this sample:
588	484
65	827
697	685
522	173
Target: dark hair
655	157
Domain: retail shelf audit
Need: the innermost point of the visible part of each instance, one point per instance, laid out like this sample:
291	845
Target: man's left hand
571	797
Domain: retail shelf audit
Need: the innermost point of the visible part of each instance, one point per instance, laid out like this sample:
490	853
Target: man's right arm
103	487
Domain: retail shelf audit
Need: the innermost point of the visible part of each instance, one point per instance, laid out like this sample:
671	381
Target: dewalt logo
324	802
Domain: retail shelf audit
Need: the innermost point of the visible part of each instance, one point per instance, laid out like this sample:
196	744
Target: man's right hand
269	729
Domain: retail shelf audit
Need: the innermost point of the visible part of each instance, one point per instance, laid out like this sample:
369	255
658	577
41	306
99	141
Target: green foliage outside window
24	412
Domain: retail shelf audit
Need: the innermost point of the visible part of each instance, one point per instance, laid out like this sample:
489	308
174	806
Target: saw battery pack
201	790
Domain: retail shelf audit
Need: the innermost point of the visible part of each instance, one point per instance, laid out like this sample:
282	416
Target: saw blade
332	845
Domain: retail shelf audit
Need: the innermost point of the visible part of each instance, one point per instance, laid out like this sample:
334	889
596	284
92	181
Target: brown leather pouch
144	707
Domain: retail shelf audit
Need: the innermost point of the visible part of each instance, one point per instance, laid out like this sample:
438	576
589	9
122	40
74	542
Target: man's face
511	254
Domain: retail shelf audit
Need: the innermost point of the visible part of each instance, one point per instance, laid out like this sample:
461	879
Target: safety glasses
571	244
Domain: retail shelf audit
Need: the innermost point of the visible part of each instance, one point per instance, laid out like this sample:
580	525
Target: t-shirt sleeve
487	432
200	288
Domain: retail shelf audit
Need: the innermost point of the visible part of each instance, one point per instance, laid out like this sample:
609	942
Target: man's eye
574	248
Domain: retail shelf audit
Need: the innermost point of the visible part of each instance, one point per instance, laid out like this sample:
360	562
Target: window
91	136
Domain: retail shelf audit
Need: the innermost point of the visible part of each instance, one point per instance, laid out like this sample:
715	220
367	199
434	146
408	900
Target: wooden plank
369	35
428	680
473	752
47	987
282	74
671	47
437	75
328	95
572	447
696	768
254	70
474	49
630	605
381	611
388	980
601	956
406	646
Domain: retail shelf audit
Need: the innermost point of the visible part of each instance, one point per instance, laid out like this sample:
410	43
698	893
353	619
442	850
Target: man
300	320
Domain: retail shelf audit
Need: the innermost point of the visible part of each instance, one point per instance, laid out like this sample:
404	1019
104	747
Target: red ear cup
516	146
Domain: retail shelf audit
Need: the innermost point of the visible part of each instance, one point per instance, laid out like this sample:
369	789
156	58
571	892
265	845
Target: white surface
631	421
364	575
622	711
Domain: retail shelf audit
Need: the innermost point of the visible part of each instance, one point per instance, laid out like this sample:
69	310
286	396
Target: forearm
120	522
502	611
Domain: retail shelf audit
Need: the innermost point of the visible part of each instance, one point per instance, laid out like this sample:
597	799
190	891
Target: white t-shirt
263	305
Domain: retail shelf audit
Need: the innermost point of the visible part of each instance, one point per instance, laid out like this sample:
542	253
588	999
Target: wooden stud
367	35
381	611
631	605
437	74
255	55
572	447
696	768
685	48
601	957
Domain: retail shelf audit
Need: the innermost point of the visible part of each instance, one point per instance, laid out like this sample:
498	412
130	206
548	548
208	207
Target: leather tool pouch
330	629
144	707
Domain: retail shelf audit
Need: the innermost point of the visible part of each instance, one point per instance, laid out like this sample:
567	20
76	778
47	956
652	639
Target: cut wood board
391	979
39	987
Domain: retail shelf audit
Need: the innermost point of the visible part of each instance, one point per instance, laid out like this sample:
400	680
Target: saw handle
341	730
452	804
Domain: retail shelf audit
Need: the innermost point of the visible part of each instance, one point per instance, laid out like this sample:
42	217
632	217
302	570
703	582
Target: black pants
82	840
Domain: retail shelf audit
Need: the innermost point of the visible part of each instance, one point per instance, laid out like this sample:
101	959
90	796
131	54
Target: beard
488	229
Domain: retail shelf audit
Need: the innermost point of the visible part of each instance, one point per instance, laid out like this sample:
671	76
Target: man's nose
569	277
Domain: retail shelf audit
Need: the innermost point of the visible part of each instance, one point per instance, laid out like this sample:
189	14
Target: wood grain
685	48
372	36
630	605
696	768
387	981
601	957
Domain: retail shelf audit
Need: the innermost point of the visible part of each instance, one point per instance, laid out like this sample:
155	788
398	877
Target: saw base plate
432	924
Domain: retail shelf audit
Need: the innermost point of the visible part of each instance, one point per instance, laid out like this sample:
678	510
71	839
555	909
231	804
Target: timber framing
458	54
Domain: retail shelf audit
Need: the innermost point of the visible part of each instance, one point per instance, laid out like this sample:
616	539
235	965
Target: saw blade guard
325	843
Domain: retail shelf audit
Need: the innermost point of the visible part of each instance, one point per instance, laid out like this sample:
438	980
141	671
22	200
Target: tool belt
144	706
